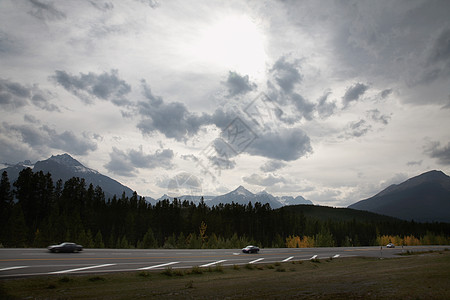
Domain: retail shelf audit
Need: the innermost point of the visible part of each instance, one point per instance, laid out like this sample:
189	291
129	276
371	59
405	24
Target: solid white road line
287	259
82	269
256	260
13	268
213	263
159	266
336	256
314	257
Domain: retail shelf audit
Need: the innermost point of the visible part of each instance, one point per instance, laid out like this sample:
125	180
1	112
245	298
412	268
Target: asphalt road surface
37	261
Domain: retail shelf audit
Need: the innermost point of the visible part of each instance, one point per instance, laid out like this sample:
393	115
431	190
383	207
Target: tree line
36	212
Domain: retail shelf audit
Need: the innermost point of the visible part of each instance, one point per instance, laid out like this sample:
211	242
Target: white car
390	245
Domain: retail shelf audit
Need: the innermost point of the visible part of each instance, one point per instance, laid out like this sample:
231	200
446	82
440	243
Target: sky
330	100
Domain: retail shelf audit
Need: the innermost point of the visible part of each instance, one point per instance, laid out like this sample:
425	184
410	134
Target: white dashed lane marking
287	259
82	269
213	263
13	268
256	260
159	266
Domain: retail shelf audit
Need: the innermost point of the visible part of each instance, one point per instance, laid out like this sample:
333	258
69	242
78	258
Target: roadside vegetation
36	212
424	276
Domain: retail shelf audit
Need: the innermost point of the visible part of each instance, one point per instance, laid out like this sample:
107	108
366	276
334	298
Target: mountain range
423	198
65	167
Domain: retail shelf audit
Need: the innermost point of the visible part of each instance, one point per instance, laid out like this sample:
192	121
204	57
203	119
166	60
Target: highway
38	261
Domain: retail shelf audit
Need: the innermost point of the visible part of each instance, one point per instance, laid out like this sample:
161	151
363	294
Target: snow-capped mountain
243	196
240	195
289	200
65	167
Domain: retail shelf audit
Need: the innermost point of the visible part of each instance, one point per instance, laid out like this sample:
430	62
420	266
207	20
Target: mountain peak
65	159
242	191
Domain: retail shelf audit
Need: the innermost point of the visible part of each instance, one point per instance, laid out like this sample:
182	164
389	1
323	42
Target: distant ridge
423	198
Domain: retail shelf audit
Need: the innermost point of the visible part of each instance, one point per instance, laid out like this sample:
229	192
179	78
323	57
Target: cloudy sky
331	100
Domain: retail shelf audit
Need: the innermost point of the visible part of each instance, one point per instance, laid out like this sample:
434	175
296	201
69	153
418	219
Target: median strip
82	269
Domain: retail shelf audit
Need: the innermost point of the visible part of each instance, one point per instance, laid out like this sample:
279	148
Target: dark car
65	247
250	249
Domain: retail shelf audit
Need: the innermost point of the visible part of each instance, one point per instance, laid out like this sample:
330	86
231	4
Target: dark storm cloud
358	129
324	107
287	144
221	117
45	136
171	119
385	93
14	95
69	142
442	153
120	164
161	158
127	163
151	3
286	74
45	11
31	119
440	53
238	84
353	93
7	44
438	62
272	165
376	116
88	87
102	6
303	106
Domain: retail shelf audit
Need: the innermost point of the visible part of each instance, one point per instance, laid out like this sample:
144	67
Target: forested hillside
44	212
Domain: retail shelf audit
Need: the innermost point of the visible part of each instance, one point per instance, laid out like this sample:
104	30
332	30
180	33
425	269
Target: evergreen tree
149	240
98	240
6	203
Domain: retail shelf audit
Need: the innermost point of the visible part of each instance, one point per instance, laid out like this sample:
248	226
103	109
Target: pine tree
6	203
149	240
98	240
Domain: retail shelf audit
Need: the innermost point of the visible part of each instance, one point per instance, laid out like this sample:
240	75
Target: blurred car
65	247
250	249
390	245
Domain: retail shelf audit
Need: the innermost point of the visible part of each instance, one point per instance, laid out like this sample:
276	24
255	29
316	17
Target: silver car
250	249
65	247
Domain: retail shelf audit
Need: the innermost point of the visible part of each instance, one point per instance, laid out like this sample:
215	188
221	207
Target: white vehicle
390	245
